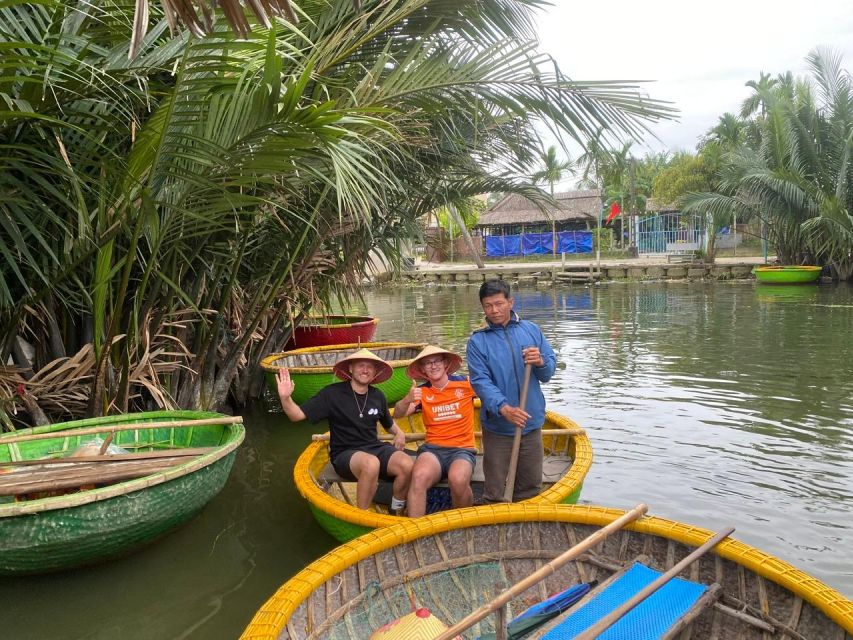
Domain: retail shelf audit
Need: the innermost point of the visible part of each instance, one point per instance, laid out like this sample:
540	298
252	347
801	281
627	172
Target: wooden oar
611	618
509	487
417	437
541	573
133	426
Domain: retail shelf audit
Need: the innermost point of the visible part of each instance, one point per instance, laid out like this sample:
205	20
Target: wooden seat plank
553	468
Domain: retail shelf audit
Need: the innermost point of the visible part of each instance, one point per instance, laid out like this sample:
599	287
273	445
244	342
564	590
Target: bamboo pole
82	474
509	487
418	437
165	424
540	574
611	618
141	455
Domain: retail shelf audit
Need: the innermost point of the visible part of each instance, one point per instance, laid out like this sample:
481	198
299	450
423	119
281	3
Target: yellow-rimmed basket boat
311	368
451	562
568	458
791	274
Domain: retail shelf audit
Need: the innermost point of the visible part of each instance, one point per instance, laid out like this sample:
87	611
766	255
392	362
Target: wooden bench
688	255
682	251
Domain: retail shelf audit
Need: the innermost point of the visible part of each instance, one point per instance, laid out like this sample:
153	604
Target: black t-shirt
340	405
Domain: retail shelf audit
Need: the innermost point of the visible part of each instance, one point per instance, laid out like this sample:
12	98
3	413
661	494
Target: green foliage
602	238
469	210
685	174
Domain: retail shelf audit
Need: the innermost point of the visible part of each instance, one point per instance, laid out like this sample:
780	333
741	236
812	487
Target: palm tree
552	169
169	218
798	180
757	102
552	172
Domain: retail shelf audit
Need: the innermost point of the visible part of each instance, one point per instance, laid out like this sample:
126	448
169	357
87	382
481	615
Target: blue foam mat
647	621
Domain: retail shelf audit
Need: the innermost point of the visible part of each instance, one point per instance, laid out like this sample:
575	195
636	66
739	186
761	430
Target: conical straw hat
418	625
414	369
341	367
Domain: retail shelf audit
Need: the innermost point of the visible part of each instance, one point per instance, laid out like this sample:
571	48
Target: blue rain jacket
496	369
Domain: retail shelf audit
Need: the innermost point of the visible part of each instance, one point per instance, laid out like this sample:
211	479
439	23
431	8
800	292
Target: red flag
614	211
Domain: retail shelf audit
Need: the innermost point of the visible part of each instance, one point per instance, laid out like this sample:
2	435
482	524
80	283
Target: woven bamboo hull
311	368
361	582
333	329
787	275
76	529
344	521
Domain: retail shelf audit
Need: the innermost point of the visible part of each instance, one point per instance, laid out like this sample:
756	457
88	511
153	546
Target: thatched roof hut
575	210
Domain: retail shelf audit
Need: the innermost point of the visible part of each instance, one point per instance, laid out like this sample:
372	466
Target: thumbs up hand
415	394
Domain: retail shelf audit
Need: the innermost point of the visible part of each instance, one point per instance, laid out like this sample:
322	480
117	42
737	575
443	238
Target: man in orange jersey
447	403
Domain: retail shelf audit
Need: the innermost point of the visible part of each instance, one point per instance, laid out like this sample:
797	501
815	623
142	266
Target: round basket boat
311	368
787	275
452	563
333	329
568	458
72	508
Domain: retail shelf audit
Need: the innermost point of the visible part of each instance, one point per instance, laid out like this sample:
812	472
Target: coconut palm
552	172
552	169
175	214
798	180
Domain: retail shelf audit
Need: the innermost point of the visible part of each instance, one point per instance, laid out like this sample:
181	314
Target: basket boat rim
357	321
268	363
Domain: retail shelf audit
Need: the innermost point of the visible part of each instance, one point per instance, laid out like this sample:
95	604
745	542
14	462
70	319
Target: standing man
497	355
353	408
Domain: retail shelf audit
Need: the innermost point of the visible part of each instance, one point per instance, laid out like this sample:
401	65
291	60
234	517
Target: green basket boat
105	516
787	275
311	368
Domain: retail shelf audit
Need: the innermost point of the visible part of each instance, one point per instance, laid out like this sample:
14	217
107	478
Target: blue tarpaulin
538	243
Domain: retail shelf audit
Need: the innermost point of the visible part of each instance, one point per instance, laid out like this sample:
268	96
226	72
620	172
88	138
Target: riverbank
581	271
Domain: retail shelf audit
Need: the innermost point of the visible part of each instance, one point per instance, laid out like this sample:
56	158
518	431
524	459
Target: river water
716	404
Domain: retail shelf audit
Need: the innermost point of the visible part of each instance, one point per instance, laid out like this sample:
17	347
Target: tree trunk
57	348
38	416
20	358
464	231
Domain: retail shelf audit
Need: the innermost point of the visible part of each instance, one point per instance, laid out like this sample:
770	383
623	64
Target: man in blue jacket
497	354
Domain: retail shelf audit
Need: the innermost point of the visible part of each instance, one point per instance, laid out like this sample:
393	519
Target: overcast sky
699	55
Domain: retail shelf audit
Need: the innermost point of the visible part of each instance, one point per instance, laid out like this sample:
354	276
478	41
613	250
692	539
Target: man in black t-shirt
353	408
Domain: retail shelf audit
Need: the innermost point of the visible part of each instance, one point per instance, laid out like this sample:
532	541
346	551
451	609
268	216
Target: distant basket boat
568	458
311	368
163	476
452	562
332	329
787	275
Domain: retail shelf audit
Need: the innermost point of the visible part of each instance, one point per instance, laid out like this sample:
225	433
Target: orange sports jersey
449	413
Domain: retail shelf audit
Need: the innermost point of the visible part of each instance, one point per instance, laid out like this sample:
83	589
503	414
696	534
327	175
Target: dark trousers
497	451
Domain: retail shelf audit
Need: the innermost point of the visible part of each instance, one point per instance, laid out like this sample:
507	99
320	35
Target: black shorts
381	450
